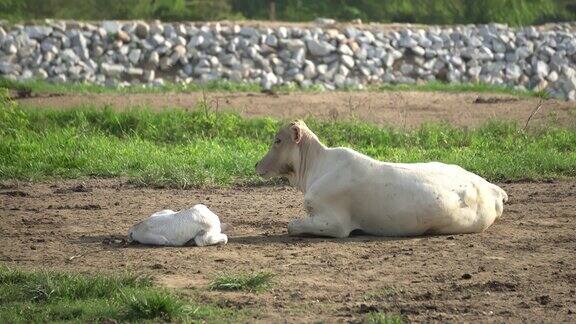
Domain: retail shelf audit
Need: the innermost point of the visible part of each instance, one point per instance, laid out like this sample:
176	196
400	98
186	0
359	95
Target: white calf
172	228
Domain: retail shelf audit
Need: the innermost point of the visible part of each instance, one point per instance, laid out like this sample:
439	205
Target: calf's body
345	190
172	228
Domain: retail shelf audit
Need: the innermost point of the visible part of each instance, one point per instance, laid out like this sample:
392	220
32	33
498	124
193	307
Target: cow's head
284	152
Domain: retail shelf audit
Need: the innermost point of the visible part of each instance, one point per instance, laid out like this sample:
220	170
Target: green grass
201	148
255	282
37	86
382	318
48	296
459	88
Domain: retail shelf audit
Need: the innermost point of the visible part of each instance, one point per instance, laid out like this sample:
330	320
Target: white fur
172	228
346	190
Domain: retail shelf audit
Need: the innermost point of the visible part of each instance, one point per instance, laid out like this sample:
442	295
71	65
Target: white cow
345	191
172	228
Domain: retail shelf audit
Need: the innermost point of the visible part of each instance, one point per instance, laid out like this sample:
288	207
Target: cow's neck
311	153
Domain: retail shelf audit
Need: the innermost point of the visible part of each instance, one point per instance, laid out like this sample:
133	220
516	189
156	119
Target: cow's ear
296	133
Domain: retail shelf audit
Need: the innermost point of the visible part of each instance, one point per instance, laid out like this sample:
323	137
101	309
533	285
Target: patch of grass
382	318
202	148
254	282
47	296
39	86
154	305
460	87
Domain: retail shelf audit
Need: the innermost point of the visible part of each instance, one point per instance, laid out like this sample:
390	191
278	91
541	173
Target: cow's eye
277	141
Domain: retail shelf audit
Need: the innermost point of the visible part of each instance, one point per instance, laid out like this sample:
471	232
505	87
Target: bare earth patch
398	108
523	268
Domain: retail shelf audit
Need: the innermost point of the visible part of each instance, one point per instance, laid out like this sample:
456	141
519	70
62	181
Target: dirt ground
399	108
523	268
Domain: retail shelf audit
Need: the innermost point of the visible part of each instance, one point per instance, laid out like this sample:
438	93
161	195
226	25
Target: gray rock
406	69
158	40
347	60
324	22
135	72
41	74
388	60
135	55
513	71
345	50
195	41
38	32
271	40
268	80
10	48
541	69
8	68
154	59
498	46
418	50
149	75
111	27
309	70
474	72
293	44
111	70
68	55
319	48
282	32
249	32
553	76
407	42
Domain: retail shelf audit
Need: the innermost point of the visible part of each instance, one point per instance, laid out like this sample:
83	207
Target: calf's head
284	152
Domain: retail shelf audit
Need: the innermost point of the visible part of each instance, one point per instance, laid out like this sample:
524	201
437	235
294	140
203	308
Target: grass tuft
382	318
256	282
154	305
48	296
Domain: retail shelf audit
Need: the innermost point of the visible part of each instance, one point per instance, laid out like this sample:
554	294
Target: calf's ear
296	133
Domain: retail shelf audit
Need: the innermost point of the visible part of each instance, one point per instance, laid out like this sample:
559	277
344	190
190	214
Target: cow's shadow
309	239
120	241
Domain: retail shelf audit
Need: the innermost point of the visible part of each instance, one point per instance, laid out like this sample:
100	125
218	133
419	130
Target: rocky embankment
123	53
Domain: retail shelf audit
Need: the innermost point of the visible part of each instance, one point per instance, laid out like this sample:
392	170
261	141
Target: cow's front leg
318	225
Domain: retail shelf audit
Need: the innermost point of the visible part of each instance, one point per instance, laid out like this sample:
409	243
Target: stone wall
121	53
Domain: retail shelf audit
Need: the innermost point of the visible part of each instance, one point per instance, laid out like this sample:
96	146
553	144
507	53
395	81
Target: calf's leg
210	239
153	239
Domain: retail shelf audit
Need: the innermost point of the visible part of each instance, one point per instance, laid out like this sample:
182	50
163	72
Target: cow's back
395	199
